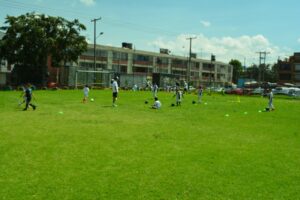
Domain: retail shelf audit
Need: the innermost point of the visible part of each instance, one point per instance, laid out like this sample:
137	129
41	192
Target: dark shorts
115	94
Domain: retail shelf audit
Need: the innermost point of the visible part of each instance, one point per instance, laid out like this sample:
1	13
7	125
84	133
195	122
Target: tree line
266	72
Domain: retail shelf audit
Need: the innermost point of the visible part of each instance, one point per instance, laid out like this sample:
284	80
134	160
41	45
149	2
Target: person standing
86	91
270	95
200	93
178	95
28	96
154	90
115	91
185	87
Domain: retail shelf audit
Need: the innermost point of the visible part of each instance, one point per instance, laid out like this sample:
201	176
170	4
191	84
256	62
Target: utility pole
95	21
188	74
212	59
262	57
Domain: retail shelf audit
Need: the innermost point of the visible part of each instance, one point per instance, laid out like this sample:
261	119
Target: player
115	91
154	90
185	87
157	104
86	91
200	94
28	96
270	104
179	96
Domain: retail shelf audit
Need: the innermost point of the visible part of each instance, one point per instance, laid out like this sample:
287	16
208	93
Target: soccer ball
92	100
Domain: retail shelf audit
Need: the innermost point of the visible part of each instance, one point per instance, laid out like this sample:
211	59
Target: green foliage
237	69
29	40
220	149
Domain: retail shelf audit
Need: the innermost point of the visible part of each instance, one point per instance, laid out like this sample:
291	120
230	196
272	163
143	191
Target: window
138	57
120	56
297	77
207	67
297	67
162	61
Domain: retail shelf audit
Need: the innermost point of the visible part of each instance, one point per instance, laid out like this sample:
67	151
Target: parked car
238	91
258	90
281	90
295	92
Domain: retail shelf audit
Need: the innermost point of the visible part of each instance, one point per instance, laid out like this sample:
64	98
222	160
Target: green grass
94	151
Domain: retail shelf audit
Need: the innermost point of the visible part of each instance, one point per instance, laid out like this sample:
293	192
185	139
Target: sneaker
34	107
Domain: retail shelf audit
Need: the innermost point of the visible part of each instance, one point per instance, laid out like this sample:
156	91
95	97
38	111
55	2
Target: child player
200	93
86	91
178	95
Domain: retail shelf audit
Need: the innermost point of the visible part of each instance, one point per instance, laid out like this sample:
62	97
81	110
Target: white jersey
178	96
86	91
115	87
157	104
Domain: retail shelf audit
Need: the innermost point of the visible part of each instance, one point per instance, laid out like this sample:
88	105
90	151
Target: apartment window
297	67
101	53
207	67
138	57
102	66
120	56
179	63
86	64
163	61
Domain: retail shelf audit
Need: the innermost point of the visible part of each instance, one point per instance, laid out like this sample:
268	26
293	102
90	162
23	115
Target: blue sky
231	29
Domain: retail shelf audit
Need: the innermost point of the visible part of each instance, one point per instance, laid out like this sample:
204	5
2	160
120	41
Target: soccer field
224	148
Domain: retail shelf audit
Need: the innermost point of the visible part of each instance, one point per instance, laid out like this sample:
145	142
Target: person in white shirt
271	107
86	91
115	91
185	87
154	90
157	104
200	93
178	95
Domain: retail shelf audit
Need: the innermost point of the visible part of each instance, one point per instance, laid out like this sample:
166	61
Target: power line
262	57
189	63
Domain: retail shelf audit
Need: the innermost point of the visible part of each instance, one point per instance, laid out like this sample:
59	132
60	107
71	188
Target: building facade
138	67
289	70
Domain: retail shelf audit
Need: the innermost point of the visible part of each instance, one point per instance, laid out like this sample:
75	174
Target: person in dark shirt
28	96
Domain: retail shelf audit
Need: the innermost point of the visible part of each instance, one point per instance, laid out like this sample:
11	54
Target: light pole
188	74
95	20
212	59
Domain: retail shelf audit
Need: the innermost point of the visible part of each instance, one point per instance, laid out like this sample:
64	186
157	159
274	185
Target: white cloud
88	2
225	48
205	23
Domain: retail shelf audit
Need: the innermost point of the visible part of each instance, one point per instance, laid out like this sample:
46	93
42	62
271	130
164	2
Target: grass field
220	149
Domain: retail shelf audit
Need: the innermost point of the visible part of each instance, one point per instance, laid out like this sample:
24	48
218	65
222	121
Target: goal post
99	79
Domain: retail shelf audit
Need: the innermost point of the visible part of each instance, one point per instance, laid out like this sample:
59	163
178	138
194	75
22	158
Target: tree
252	72
31	38
237	69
